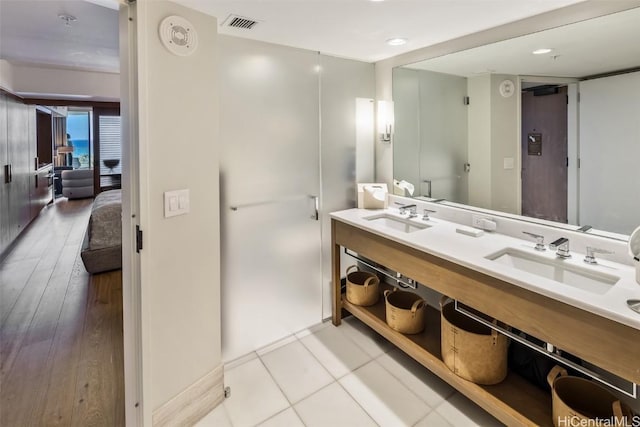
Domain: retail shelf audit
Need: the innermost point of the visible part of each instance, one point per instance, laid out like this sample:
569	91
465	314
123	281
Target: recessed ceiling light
541	51
396	41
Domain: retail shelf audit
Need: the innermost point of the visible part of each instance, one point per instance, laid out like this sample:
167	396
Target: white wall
610	152
99	86
180	261
505	141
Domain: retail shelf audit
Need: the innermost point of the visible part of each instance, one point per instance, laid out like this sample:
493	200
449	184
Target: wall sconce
385	120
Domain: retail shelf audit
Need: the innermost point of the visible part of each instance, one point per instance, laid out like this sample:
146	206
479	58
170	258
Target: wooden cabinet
603	342
20	193
4	188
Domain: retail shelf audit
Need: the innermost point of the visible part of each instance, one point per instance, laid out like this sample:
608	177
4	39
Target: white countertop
442	240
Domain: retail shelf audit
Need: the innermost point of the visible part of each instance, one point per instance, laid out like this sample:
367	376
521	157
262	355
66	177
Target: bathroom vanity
591	322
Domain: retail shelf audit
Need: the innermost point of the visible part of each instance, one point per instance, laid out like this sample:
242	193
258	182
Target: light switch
176	203
173	204
508	162
183	202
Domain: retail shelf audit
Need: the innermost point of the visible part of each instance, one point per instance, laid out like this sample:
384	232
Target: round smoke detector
178	35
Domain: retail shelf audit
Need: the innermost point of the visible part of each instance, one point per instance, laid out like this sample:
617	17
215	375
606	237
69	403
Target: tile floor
346	376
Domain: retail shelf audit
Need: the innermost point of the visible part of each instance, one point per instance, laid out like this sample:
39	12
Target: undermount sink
556	269
396	223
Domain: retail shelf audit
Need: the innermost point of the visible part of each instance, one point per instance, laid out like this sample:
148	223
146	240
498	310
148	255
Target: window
78	136
108	137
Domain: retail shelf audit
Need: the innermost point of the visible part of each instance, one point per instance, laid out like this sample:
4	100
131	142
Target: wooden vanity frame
605	343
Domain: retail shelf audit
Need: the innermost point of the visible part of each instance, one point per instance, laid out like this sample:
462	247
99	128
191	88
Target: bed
102	247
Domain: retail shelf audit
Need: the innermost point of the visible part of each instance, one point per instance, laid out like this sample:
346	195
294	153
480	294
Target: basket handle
557	371
618	411
388	291
416	305
443	301
369	280
494	332
350	267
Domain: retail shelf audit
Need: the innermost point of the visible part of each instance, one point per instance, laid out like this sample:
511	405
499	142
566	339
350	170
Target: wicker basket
578	401
405	311
362	287
470	349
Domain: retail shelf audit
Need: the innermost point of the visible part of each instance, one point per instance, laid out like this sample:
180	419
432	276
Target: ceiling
358	29
31	31
587	48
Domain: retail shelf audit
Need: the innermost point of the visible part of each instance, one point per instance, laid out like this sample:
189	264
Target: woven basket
578	401
362	287
405	311
470	349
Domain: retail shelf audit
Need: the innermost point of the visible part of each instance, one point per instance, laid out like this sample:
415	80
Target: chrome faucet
590	258
425	214
561	246
539	241
411	208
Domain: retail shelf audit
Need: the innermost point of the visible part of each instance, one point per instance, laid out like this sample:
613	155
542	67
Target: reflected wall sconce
385	120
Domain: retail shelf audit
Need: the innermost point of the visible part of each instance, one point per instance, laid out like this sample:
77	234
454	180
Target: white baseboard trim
193	403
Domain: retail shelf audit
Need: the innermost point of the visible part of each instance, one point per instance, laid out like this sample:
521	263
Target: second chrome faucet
561	246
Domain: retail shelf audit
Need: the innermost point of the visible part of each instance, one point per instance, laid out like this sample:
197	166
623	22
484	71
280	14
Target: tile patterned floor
330	377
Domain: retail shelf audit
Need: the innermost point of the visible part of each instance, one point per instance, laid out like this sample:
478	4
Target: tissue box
403	188
372	196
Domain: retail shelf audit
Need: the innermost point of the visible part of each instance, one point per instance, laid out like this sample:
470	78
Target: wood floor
61	343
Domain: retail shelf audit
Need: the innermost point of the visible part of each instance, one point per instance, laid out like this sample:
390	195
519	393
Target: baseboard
192	404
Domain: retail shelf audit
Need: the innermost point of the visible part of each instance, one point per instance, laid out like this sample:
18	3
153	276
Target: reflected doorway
544	151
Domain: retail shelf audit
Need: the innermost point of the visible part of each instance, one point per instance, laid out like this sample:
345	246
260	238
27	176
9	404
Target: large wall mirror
545	125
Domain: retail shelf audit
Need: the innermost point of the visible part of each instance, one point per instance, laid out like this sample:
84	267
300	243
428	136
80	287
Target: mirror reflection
545	125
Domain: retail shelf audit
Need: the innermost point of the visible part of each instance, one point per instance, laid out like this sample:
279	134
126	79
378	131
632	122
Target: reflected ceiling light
396	41
68	19
541	51
51	95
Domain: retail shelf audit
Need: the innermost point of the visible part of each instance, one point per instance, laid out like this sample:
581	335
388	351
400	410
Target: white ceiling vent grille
236	21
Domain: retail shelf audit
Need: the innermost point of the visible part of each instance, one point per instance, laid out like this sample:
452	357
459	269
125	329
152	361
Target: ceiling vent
236	21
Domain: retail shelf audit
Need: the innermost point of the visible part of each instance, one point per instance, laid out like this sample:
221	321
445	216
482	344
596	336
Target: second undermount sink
556	269
397	223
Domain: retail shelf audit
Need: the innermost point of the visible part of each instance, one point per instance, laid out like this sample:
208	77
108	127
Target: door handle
7	174
316	214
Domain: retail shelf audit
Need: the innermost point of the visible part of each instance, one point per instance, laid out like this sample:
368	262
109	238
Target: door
270	233
609	152
443	148
544	154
